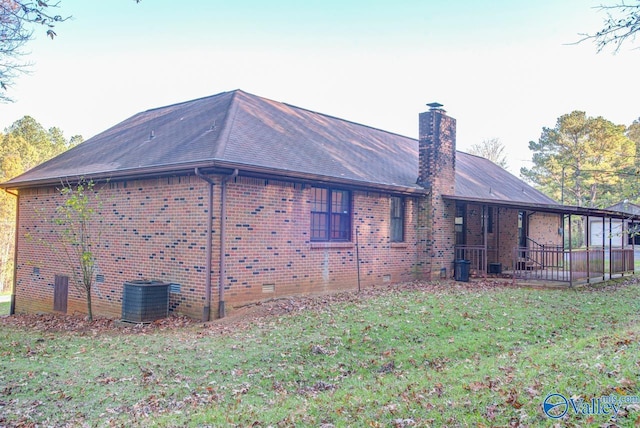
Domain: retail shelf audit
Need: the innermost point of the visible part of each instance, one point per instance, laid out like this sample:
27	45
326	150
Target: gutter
247	170
12	308
223	238
206	311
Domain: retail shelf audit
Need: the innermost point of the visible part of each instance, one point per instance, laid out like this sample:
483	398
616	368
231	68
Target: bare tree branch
491	149
621	24
17	17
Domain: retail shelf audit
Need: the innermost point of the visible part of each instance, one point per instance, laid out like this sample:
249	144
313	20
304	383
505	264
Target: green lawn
4	308
450	355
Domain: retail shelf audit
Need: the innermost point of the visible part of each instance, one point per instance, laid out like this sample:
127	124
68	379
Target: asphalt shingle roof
243	129
479	178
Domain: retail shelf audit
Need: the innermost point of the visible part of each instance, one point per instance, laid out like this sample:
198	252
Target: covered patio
543	242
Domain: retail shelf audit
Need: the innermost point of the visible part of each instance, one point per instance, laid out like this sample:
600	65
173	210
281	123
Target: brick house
234	198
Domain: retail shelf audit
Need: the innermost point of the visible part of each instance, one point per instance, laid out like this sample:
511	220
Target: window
397	219
330	215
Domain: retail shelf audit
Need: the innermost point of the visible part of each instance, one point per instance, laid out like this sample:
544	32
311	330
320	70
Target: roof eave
215	166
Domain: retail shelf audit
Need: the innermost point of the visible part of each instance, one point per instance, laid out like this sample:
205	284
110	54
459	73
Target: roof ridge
181	103
227	126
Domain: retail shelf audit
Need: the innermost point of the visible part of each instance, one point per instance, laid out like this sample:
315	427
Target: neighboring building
234	198
618	232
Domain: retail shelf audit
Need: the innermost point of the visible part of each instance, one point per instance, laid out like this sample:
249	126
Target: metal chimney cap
435	105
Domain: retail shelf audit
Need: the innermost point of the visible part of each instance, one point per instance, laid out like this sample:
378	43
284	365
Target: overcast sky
504	68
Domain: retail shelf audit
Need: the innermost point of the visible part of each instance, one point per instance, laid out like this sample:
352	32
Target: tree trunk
89	308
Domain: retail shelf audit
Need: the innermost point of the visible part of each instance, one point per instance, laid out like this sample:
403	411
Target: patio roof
549	208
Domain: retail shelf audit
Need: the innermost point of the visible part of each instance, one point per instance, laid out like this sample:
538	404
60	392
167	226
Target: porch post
622	239
604	219
570	255
587	235
604	253
485	216
496	240
633	249
610	248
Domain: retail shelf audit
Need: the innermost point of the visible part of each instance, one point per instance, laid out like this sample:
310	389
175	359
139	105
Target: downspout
570	254
206	311
610	246
223	238
12	308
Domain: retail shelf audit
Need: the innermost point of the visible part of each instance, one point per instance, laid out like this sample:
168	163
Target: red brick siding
473	225
543	228
268	243
157	229
508	236
153	229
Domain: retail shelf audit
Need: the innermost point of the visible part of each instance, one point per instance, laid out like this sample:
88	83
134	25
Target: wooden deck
556	264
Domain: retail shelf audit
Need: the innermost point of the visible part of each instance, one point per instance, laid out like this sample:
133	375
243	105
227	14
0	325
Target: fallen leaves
388	362
56	323
317	387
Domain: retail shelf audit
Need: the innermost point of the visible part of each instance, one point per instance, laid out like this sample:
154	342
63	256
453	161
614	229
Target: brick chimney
437	171
437	149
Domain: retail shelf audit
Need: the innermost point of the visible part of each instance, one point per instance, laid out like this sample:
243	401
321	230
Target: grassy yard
438	355
4	308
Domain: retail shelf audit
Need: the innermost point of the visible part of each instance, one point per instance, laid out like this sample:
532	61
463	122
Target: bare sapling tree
80	234
491	149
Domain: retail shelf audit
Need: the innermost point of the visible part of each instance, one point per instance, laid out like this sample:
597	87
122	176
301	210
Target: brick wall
543	228
508	236
150	229
157	229
270	252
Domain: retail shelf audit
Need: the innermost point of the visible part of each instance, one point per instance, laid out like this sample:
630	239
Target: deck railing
476	255
621	261
559	264
554	263
540	263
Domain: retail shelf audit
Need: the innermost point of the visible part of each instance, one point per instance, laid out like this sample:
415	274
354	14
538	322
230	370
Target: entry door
461	238
60	293
523	231
460	220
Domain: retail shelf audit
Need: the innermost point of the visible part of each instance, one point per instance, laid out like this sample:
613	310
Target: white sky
502	68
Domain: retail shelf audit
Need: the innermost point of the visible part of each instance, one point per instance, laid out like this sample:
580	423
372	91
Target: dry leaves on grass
243	317
79	324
